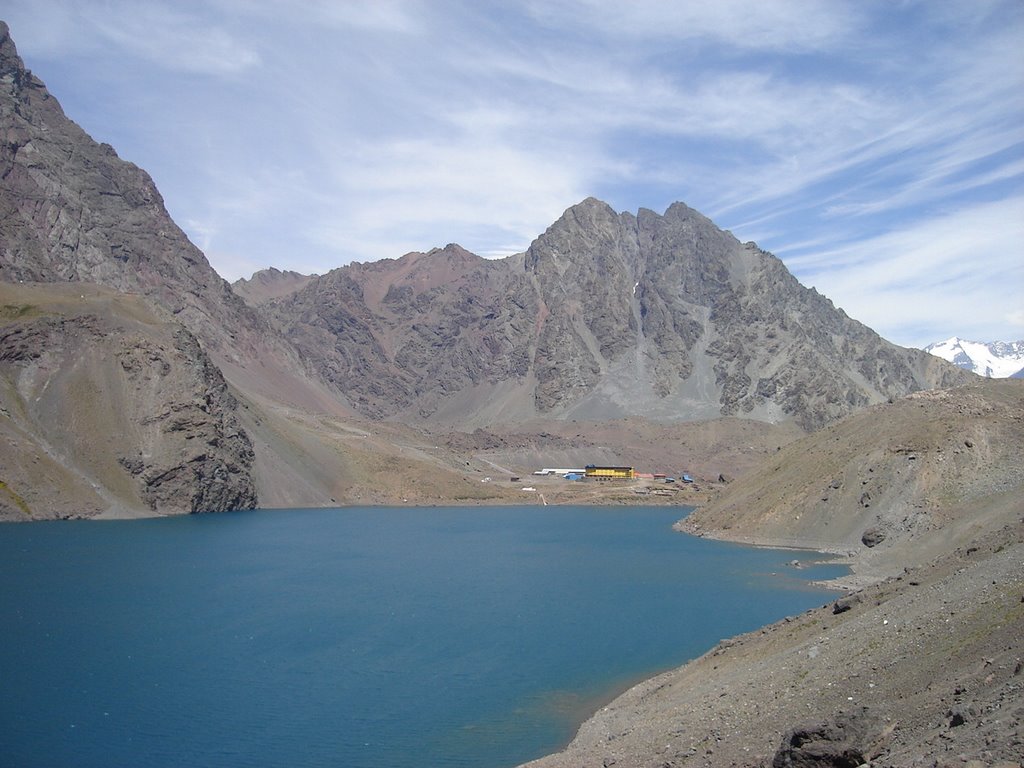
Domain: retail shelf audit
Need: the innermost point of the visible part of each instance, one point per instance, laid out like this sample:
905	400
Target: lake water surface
356	637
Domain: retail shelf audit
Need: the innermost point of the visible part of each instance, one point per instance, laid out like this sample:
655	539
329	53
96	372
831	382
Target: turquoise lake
356	637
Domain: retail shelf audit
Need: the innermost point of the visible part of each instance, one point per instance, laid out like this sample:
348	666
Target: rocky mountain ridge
73	213
605	316
72	210
269	284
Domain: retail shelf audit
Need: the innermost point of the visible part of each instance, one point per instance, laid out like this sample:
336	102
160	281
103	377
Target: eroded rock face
194	456
134	410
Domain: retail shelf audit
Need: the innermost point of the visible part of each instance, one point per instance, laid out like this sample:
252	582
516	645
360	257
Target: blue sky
877	147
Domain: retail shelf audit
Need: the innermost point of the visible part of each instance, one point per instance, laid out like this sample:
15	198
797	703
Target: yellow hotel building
610	473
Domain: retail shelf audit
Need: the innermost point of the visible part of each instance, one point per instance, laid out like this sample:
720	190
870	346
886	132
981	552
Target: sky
875	146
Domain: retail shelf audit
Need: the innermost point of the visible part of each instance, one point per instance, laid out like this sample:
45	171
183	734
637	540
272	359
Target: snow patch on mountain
995	360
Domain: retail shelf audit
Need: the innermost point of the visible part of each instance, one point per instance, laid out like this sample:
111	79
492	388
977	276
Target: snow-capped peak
996	360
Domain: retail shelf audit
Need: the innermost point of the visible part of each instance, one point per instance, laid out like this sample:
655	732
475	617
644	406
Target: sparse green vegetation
18	501
19	311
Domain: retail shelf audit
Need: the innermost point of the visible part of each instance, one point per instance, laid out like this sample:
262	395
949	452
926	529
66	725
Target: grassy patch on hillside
9	312
18	501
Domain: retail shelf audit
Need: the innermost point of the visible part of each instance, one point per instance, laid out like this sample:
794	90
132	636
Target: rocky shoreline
924	668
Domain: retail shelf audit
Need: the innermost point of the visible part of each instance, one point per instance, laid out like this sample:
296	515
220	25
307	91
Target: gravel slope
919	664
926	667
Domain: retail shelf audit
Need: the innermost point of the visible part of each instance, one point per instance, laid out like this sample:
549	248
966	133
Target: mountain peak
15	79
607	315
8	52
588	210
269	284
994	360
591	202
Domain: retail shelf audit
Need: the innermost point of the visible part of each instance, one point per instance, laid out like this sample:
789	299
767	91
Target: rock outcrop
845	741
106	409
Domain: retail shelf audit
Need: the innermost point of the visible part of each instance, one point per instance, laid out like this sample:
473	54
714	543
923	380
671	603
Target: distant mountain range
994	360
606	316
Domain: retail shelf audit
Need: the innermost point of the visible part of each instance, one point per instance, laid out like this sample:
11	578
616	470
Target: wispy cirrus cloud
893	279
174	40
171	36
770	25
843	136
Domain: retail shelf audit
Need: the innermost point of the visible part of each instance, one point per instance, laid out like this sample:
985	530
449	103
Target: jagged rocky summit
606	315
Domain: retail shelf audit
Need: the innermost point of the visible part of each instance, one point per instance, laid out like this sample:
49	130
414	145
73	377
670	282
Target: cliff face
106	409
606	315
